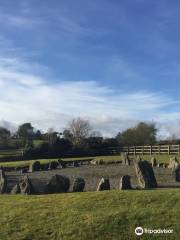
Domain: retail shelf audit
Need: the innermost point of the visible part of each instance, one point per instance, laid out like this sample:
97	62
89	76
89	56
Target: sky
112	62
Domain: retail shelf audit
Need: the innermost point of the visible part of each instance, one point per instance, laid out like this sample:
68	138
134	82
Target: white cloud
26	96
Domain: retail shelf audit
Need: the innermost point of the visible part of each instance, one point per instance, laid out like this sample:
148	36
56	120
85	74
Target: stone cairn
125	183
125	159
79	185
104	184
3	182
145	174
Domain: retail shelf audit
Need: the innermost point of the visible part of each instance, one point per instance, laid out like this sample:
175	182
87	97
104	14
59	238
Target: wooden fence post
151	150
168	149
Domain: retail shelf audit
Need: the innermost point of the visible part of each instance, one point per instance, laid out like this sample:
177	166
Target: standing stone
78	185
26	186
153	162
23	170
75	164
173	163
62	163
125	159
44	166
160	165
176	173
145	174
58	184
3	182
16	189
103	185
125	182
35	166
53	165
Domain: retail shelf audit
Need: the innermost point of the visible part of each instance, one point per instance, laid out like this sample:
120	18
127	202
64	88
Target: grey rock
3	182
58	184
79	185
125	183
16	189
145	174
104	184
26	186
125	159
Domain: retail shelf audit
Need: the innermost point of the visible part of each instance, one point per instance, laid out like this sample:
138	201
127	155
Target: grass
26	163
160	158
106	159
10	152
91	215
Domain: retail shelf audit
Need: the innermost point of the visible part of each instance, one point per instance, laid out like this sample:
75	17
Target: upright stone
78	185
104	184
53	165
35	166
145	174
125	183
58	184
173	163
153	162
125	159
26	186
16	189
176	173
3	182
62	163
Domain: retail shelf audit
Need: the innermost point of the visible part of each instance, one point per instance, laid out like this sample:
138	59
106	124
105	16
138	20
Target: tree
78	130
38	135
51	136
142	134
146	133
26	131
4	136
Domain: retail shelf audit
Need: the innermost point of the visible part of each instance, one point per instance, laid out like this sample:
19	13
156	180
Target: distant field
10	152
160	158
26	163
114	158
17	152
109	215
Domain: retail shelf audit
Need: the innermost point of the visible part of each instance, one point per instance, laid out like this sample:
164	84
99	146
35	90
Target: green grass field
11	152
91	215
106	159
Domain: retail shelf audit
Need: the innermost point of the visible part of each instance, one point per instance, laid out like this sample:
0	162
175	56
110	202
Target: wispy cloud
26	96
21	20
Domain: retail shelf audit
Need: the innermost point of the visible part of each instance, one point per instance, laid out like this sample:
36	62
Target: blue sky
113	62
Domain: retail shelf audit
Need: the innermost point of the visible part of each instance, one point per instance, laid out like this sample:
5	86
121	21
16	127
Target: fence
154	149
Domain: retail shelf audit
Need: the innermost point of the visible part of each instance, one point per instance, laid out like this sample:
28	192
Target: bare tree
79	129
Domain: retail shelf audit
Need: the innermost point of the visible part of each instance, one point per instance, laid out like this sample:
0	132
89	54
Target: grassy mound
91	215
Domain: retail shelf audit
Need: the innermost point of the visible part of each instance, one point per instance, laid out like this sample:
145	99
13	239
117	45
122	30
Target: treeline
77	139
